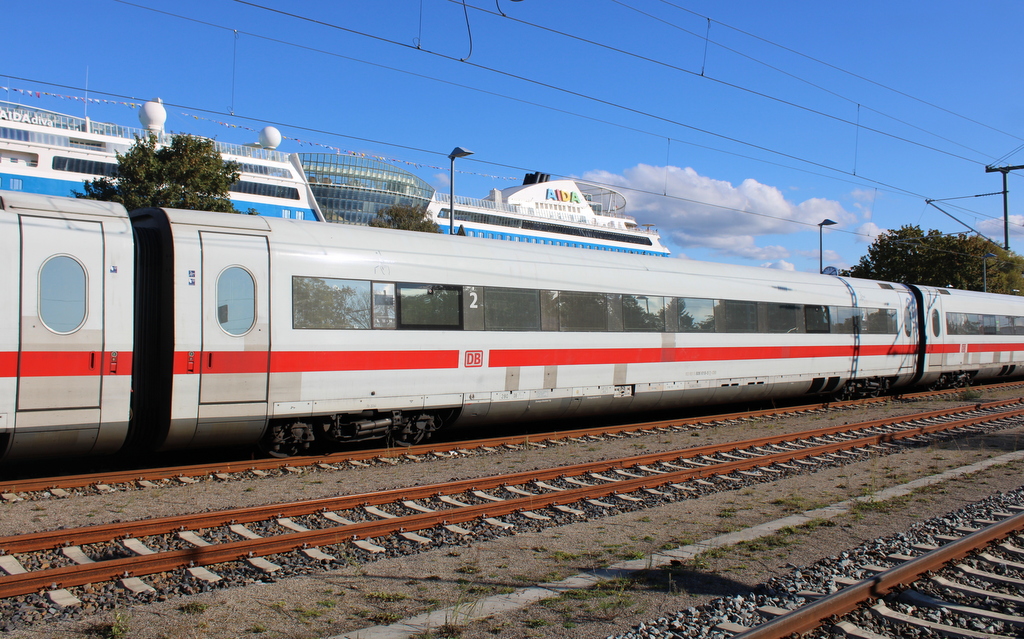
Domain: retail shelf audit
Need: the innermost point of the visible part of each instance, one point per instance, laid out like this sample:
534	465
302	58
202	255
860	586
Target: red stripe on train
228	362
65	363
581	357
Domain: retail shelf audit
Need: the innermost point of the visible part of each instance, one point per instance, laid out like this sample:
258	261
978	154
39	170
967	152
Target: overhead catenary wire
862	178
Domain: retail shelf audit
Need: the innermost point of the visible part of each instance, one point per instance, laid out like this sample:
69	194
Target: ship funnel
153	115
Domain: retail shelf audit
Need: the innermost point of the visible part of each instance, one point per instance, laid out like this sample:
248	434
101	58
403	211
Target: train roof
15	201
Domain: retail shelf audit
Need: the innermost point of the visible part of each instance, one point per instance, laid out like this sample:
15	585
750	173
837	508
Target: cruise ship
56	154
559	212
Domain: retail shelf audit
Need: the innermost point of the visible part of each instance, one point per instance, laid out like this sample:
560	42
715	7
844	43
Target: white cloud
699	211
868	231
781	265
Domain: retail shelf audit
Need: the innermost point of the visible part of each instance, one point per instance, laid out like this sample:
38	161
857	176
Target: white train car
205	329
971	336
66	326
352	333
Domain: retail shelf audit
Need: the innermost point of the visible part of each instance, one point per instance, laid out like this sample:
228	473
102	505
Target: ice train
168	329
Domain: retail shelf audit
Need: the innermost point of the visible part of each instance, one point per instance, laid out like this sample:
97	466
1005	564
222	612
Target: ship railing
241	150
514	209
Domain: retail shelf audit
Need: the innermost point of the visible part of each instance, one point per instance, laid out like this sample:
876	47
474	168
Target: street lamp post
457	152
984	270
821	254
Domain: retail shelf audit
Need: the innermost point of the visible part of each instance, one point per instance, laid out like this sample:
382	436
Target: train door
61	338
235	357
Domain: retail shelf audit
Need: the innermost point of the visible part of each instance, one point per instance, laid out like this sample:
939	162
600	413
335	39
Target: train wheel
286	439
413	431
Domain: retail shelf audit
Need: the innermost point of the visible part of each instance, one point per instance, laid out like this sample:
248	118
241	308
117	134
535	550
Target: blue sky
734	127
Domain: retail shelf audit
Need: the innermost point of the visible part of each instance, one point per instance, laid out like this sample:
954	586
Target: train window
963	324
62	294
643	313
908	321
696	315
429	306
236	300
880	321
783	318
512	309
936	323
740	317
1018	325
383	305
320	302
1005	325
988	325
816	319
582	311
847	320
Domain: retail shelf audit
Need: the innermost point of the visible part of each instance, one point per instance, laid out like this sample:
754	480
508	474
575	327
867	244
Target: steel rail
841	602
57	538
200	470
164	561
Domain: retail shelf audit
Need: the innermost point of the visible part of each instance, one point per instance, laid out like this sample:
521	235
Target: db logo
474	358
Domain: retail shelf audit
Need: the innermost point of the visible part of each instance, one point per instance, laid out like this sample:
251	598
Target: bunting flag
39	94
334	149
339	151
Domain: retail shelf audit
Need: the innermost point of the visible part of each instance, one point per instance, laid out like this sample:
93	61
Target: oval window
908	321
236	300
62	294
936	324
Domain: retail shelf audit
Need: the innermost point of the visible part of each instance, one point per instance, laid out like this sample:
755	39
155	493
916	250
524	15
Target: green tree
405	217
910	256
188	173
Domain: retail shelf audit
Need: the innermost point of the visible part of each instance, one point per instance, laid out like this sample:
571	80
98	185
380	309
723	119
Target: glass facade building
351	189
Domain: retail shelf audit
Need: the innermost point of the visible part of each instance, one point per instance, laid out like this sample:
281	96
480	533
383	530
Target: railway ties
923	588
213	546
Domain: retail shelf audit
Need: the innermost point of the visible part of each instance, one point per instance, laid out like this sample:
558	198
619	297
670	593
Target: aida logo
13	115
564	196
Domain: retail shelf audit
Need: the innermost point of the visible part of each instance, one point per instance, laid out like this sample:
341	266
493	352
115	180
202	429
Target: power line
849	73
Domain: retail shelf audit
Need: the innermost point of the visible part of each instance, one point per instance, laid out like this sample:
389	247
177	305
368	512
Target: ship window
236	300
643	313
62	294
320	302
429	307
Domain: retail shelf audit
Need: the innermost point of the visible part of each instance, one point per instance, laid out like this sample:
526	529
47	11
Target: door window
236	300
62	294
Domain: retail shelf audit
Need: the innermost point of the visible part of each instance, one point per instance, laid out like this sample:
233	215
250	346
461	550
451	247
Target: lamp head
459	152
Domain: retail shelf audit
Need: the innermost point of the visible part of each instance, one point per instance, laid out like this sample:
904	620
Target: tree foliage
910	256
188	173
405	217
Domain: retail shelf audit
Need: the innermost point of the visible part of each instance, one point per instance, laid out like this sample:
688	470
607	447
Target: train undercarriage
288	437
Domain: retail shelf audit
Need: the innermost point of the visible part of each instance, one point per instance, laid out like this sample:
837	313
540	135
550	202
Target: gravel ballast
364	591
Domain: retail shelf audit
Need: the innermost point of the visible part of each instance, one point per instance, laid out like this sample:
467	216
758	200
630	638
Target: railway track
962	578
400	521
907	576
14	489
